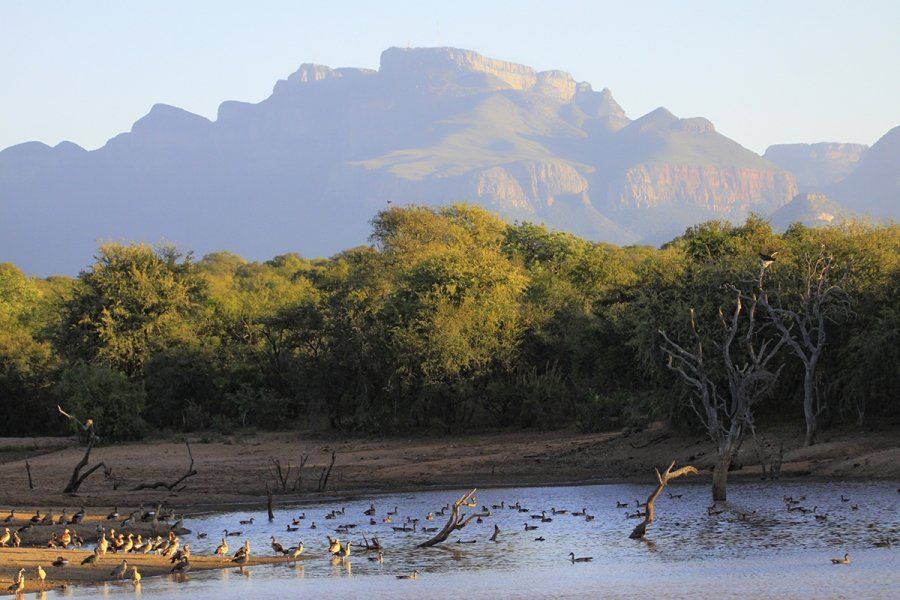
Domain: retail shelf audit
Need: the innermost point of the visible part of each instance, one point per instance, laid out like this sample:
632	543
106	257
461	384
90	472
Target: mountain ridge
307	167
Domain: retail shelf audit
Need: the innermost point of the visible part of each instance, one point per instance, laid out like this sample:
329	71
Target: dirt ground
235	470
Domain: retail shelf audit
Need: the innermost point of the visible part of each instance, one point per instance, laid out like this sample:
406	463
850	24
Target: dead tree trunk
171	486
455	522
323	478
28	470
86	429
662	480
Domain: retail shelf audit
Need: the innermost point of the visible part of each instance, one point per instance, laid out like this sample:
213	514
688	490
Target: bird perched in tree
767	259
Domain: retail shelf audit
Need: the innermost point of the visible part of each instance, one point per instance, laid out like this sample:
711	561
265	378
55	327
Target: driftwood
171	486
662	479
455	522
87	431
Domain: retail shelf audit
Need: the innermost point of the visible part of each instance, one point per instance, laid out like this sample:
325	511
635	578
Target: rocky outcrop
426	66
816	166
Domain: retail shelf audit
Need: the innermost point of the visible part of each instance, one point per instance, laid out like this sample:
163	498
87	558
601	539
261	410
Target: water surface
769	552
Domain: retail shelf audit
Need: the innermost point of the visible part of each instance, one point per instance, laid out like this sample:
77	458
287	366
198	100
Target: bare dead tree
298	482
821	298
456	521
86	431
281	473
662	480
28	470
747	374
190	472
326	472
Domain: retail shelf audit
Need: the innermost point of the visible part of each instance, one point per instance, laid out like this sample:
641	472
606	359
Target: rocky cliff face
816	166
730	192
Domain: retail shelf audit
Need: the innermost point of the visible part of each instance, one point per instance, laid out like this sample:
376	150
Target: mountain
813	209
305	169
873	188
816	166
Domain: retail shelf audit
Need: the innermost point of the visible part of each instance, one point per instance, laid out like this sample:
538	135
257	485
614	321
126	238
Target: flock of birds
123	543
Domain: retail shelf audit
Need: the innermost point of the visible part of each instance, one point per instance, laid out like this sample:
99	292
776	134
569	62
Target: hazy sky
763	72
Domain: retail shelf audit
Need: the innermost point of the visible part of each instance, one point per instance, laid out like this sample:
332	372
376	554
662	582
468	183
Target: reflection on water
756	546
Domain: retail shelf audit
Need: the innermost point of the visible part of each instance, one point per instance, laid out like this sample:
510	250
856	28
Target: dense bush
451	319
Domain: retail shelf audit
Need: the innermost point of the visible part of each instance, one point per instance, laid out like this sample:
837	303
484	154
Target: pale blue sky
763	72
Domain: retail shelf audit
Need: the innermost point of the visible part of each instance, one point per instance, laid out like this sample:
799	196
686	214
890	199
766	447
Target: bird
370	511
182	567
539	539
119	572
135	577
278	548
580	559
345	551
496	533
232	533
767	259
530	527
113	515
245	549
334	546
844	499
222	549
247	521
19	584
841	561
413	575
4	539
241	560
201	535
60	561
41	574
77	517
621	504
10	517
292	529
16	539
91	559
296	552
379	558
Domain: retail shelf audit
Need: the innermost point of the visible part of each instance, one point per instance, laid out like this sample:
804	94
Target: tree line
453	320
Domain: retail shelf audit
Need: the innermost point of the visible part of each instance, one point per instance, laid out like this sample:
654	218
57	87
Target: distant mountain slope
816	166
813	209
305	169
873	188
